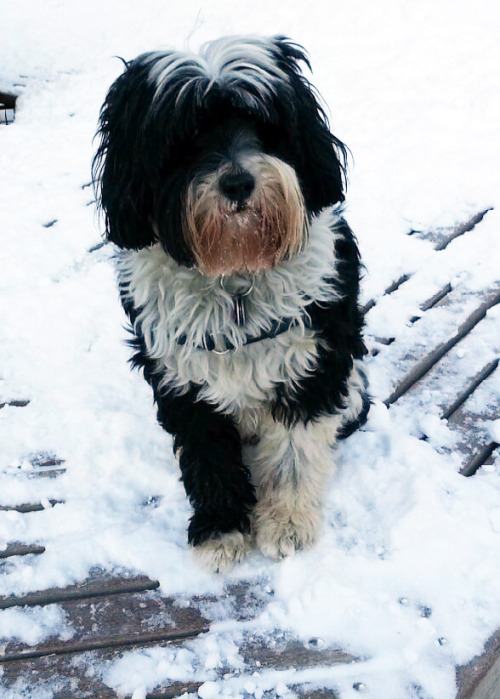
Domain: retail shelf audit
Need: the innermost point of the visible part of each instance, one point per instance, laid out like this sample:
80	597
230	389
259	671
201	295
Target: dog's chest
176	309
175	332
246	377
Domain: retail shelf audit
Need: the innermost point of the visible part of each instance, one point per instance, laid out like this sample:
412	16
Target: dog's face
222	157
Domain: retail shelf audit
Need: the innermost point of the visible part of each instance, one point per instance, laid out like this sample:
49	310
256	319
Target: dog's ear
321	157
120	166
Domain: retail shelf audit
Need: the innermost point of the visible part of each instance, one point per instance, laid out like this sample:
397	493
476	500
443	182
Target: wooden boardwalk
108	614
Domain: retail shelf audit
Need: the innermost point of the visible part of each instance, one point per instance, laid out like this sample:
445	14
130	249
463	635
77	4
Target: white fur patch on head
233	61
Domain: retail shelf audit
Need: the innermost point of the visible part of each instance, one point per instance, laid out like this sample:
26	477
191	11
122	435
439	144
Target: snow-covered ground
414	91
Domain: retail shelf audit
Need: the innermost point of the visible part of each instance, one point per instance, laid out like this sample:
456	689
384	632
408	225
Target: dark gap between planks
106	642
97	588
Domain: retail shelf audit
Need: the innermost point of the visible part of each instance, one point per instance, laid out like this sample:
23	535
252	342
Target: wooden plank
49	473
30	507
291	653
70	676
46	461
60	677
442	237
471	422
103	627
94	587
175	690
481	456
15	549
469	389
460	229
433	301
394	286
316	693
18	403
480	678
458	375
430	360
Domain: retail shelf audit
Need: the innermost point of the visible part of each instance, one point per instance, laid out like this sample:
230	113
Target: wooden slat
103	627
471	423
480	679
49	473
457	376
479	457
442	237
97	587
21	550
175	690
481	376
315	693
46	461
29	507
18	403
424	365
97	643
433	301
394	286
60	676
291	654
71	676
460	229
117	621
436	298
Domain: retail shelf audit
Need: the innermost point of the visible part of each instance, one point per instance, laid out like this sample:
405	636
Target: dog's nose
237	186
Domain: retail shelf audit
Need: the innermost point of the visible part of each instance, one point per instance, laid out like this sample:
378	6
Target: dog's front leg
290	469
215	478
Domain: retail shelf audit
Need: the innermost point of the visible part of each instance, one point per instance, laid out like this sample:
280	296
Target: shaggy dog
221	185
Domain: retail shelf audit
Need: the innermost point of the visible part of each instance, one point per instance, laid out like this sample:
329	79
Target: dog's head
221	156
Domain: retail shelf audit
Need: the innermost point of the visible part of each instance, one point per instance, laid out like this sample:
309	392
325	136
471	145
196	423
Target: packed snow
405	576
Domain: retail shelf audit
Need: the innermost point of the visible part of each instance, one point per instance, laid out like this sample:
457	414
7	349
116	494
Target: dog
222	188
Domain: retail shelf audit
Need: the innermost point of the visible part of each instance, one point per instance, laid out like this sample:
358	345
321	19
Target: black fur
151	147
147	157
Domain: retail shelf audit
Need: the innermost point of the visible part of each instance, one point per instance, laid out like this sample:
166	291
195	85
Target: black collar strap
277	327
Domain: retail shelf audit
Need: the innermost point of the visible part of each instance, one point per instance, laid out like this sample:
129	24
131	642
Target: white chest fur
175	303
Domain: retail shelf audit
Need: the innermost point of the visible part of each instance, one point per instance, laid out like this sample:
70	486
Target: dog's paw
220	553
279	533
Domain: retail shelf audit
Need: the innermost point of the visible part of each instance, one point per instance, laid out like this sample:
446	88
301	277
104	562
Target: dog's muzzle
245	219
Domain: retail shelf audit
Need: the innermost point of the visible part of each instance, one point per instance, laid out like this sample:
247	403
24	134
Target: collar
277	327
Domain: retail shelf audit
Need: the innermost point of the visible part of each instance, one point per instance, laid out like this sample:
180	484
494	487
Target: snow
406	574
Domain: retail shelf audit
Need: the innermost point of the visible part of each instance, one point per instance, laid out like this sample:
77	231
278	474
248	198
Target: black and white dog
221	184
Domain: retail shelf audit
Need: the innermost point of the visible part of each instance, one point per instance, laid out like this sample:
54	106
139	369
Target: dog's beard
227	238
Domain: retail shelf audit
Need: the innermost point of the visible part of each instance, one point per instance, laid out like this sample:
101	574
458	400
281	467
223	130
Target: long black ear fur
121	162
321	157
